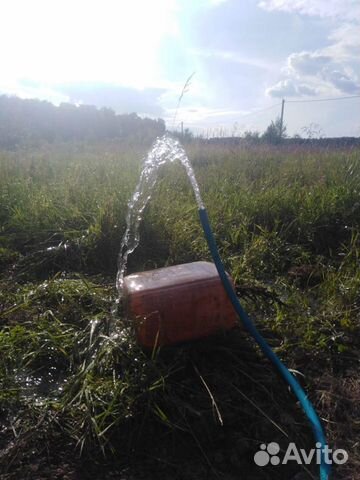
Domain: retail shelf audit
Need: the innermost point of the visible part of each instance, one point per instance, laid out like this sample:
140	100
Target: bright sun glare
73	41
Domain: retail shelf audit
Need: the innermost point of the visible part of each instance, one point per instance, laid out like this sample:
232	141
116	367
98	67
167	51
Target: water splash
165	149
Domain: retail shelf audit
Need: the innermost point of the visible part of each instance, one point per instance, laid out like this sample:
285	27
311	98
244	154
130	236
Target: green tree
251	136
25	121
274	132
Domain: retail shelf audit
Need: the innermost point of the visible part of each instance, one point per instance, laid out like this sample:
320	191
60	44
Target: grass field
75	404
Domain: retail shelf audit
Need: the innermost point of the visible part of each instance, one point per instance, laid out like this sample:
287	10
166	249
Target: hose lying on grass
250	327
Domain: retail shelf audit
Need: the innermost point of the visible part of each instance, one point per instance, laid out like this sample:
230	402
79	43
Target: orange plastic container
174	304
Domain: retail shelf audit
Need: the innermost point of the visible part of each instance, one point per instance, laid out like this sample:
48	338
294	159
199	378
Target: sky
245	57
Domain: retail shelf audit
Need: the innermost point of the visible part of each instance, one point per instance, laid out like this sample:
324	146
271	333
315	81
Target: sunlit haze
135	56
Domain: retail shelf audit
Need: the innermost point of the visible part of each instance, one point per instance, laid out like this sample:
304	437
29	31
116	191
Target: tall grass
287	222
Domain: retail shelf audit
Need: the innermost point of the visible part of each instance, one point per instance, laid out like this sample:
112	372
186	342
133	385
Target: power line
260	111
323	99
331	99
282	103
240	117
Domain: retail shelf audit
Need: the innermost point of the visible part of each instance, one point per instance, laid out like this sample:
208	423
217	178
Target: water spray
169	149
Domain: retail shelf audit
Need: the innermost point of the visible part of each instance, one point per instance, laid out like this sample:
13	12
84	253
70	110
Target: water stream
165	149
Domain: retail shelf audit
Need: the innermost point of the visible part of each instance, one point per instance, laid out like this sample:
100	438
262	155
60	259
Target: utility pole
182	129
282	117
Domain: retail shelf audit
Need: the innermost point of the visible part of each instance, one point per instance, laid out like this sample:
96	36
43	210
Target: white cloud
312	73
202	114
121	98
308	63
215	3
333	69
343	9
27	89
235	57
343	82
290	88
345	41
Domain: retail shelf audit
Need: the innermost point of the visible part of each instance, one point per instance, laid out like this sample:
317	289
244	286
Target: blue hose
287	376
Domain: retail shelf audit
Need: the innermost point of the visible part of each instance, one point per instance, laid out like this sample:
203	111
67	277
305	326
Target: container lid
170	276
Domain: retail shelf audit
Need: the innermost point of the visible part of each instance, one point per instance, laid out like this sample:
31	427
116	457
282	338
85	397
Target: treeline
275	134
24	121
331	142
